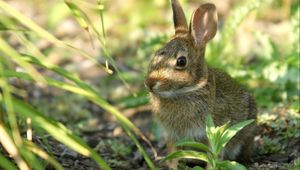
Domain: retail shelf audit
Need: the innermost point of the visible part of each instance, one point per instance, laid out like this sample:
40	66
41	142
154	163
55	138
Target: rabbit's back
232	102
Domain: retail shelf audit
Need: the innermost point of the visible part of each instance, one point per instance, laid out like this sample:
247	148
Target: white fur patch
177	92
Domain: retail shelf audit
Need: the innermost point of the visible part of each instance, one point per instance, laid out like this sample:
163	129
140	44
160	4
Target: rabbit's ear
203	26
178	18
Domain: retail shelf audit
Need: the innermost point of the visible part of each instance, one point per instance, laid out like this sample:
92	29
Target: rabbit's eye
181	61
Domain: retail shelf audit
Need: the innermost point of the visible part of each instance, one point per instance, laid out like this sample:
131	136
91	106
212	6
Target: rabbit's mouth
177	92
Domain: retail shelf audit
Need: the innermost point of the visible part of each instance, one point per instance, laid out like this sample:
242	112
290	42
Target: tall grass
16	108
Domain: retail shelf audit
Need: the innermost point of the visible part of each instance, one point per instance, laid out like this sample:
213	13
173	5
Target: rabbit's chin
179	92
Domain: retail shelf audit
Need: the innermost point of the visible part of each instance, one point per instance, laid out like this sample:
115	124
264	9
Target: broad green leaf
186	154
231	131
193	144
217	139
230	165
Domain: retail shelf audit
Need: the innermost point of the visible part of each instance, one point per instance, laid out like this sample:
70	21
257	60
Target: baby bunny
184	90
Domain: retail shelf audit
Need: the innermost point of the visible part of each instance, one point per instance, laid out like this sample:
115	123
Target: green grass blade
58	131
193	144
100	7
27	22
42	32
32	160
16	57
78	14
125	122
86	91
35	149
9	145
186	154
6	164
58	70
141	149
86	23
14	145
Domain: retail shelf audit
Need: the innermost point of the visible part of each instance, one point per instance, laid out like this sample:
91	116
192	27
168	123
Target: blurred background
257	43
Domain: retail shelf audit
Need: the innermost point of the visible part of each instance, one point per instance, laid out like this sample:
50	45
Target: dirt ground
105	135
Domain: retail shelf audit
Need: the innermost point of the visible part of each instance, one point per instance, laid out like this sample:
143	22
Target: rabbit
183	89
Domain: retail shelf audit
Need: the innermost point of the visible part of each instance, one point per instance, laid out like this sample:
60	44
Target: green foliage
120	149
284	130
34	59
217	137
128	39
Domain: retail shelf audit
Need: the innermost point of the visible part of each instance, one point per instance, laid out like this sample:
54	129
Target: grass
269	72
27	62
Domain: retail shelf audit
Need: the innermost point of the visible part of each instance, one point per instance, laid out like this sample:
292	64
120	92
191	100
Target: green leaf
209	127
193	144
230	165
231	131
186	154
217	140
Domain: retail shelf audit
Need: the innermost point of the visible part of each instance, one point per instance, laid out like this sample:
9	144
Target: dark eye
181	61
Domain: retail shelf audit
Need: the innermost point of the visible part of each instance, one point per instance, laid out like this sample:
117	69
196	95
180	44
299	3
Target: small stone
111	126
117	131
137	157
68	153
93	142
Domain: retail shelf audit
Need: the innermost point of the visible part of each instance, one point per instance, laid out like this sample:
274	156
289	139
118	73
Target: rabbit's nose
150	83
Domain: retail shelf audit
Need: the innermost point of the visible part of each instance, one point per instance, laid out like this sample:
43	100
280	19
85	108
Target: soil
109	140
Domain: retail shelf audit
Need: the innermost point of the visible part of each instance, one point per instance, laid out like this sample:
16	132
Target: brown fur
182	111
